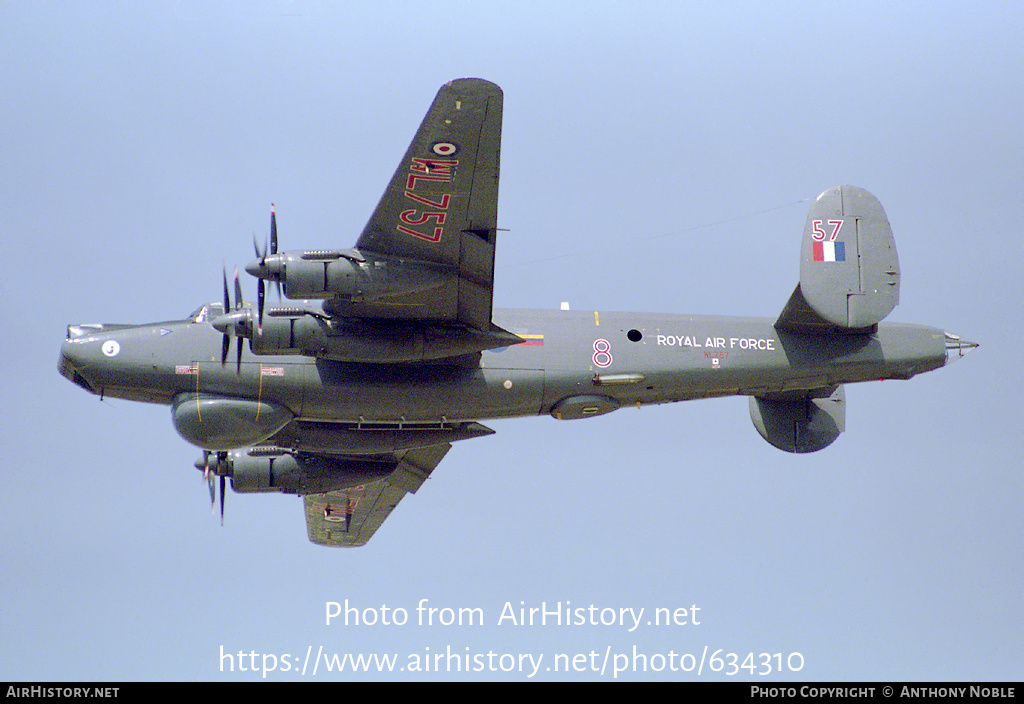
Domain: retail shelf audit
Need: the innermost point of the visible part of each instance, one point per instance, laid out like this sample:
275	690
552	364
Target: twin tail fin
849	269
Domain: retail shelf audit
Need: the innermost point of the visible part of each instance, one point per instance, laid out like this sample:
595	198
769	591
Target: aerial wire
673	233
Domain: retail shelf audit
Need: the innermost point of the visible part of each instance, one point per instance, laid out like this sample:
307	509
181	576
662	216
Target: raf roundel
444	148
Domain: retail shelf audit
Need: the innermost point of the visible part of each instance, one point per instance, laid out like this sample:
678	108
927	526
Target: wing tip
475	84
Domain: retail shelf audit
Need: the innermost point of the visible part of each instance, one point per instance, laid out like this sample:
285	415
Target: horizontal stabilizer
798	316
849	269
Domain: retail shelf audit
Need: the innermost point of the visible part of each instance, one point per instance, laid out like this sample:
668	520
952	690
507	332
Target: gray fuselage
623	358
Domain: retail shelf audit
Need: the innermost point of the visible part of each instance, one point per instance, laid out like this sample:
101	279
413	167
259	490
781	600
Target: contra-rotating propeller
261	255
233	323
219	467
238	320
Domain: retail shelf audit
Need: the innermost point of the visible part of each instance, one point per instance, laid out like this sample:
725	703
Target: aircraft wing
350	517
441	208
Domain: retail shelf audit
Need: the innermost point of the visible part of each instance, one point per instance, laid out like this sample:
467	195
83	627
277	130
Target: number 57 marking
819	234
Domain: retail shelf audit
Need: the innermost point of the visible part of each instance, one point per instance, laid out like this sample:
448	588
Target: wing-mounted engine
370	315
300	473
849	269
348	276
316	457
418	285
296	331
805	421
377	309
427	251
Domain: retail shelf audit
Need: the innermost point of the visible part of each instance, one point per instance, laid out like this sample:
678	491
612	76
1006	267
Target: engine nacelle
325	275
302	474
354	340
806	423
224	423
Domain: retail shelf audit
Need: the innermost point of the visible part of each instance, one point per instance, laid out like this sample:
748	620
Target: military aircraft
391	351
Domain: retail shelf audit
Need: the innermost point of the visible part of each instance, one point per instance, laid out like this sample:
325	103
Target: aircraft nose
957	347
83	352
71	350
73	357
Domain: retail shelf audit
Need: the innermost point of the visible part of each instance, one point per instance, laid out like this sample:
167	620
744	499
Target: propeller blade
273	229
213	492
218	467
261	289
227	301
226	344
238	291
238	305
261	254
261	296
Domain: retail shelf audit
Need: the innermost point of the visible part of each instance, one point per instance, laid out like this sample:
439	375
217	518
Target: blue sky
656	157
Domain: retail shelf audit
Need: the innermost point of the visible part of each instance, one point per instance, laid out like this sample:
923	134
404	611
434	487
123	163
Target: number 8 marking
602	353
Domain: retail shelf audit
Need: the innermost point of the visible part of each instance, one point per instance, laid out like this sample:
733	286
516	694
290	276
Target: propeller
221	467
233	323
237	321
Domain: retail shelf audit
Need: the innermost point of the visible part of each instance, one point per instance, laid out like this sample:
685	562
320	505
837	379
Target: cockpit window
206	313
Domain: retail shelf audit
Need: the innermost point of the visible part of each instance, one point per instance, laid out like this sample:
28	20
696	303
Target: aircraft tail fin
849	269
800	421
